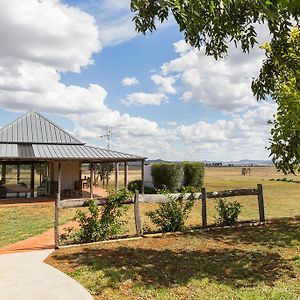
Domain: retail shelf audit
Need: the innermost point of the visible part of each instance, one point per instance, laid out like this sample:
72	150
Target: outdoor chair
78	188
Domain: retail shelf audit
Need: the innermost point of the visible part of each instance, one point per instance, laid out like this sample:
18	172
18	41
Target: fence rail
73	203
204	196
160	198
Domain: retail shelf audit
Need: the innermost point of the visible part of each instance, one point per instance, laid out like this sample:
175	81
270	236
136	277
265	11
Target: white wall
70	172
147	177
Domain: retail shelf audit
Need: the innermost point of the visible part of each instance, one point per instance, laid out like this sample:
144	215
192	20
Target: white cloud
114	19
129	81
141	99
30	70
223	84
41	41
165	83
45	38
117	30
47	32
172	123
244	136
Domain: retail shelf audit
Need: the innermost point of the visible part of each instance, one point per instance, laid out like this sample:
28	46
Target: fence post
204	214
261	207
137	215
56	219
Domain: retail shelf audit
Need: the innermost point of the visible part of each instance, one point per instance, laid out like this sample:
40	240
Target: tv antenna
108	135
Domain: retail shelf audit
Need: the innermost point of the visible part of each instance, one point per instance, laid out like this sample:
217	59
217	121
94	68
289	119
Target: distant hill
156	161
248	162
243	162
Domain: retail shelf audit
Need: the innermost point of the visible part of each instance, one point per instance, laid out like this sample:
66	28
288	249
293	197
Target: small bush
171	216
228	213
100	223
168	176
137	185
193	174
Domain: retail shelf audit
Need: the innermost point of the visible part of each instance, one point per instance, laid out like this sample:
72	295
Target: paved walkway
24	276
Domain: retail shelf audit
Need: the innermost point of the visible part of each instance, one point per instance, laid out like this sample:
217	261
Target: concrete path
24	276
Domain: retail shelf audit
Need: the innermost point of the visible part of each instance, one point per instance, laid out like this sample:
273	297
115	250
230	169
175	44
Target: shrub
193	174
228	212
100	223
137	185
168	176
170	216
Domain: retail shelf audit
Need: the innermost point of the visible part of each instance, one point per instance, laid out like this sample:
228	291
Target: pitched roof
34	137
34	128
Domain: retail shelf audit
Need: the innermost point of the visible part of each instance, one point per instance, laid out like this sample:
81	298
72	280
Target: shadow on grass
163	268
283	233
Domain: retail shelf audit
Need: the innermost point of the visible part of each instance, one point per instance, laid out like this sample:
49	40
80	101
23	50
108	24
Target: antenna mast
108	135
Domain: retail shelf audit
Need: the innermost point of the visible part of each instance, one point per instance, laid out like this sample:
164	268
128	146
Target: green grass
282	199
21	222
244	263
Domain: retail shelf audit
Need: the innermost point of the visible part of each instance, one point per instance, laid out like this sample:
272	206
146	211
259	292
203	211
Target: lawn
244	263
21	222
282	199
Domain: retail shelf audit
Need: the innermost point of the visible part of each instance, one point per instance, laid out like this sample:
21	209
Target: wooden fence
159	198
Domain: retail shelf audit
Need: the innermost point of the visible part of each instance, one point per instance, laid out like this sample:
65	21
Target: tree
284	88
103	170
211	24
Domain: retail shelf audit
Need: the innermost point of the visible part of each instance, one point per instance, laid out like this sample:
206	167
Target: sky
82	64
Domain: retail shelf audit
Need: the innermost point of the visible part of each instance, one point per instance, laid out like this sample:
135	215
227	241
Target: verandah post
204	213
116	176
261	207
57	205
137	215
91	180
126	174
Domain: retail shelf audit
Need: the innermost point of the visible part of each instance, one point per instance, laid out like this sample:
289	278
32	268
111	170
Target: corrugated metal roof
34	128
34	137
25	150
9	150
58	151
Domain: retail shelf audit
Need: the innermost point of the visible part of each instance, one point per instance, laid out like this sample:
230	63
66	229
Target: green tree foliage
176	175
103	170
285	140
211	24
283	63
168	176
193	174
